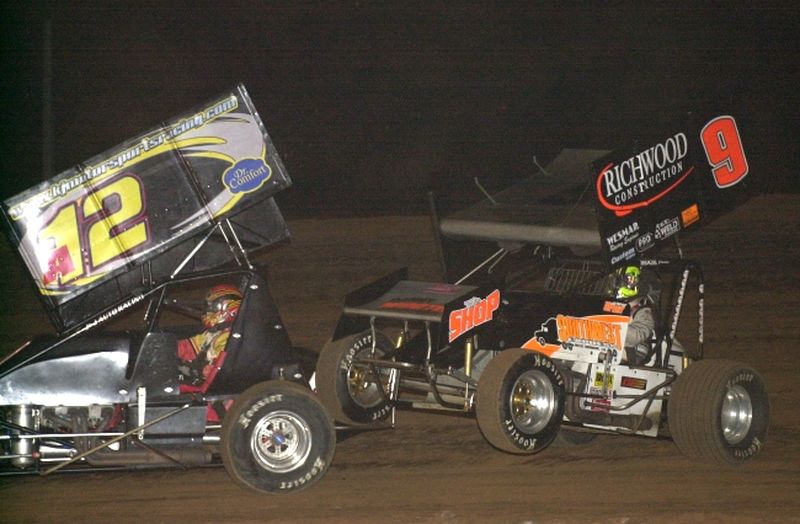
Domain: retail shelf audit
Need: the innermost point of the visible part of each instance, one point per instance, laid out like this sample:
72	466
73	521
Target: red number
61	248
60	263
724	151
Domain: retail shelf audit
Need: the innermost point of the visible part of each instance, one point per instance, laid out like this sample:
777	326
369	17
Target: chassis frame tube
128	433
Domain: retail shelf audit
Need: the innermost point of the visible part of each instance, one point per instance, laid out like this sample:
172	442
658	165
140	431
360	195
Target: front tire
719	411
276	438
520	401
354	391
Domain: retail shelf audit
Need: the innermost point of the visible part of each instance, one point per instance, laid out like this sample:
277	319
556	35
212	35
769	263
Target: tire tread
694	409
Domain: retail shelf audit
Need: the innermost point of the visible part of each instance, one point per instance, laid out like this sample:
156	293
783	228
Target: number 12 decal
724	151
89	233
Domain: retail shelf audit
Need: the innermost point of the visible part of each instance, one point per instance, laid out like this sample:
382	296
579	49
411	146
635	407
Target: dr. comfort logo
246	176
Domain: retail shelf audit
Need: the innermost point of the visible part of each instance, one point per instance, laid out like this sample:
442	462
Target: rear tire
520	401
277	438
719	411
352	391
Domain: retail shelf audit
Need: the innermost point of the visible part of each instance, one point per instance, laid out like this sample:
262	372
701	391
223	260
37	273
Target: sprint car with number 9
531	341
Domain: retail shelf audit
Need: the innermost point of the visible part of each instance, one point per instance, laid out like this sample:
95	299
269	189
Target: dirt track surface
438	468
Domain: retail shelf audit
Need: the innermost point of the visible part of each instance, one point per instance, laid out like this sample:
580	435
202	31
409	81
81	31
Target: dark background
370	104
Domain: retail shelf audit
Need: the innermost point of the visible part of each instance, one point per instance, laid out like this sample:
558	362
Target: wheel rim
281	441
533	401
364	385
737	414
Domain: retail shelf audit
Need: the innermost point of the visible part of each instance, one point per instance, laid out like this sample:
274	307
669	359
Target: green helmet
628	282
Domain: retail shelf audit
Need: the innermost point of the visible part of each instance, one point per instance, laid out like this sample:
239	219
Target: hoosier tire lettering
277	437
519	439
319	465
246	418
755	447
718	410
352	390
360	344
741	377
520	401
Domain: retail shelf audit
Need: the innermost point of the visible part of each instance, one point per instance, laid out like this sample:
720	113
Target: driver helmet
222	305
628	282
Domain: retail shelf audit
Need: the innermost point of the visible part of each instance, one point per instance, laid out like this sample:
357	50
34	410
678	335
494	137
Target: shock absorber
24	448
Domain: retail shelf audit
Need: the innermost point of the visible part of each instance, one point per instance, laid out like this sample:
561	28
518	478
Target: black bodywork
523	315
539	246
108	373
122	250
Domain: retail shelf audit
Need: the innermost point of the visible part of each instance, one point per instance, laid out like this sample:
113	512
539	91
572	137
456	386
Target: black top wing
187	194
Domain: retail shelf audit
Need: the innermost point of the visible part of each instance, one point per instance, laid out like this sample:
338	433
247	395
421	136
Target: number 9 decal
724	151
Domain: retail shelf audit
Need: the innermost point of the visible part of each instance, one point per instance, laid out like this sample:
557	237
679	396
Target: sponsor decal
476	311
602	405
644	178
543	335
679	305
164	139
623	236
442	289
600	331
628	254
413	305
653	262
589	329
634	383
614	307
666	228
644	242
246	176
690	215
116	310
603	380
59	263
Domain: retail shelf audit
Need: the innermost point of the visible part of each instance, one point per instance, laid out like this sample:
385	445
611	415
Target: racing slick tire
520	401
718	410
354	393
277	438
